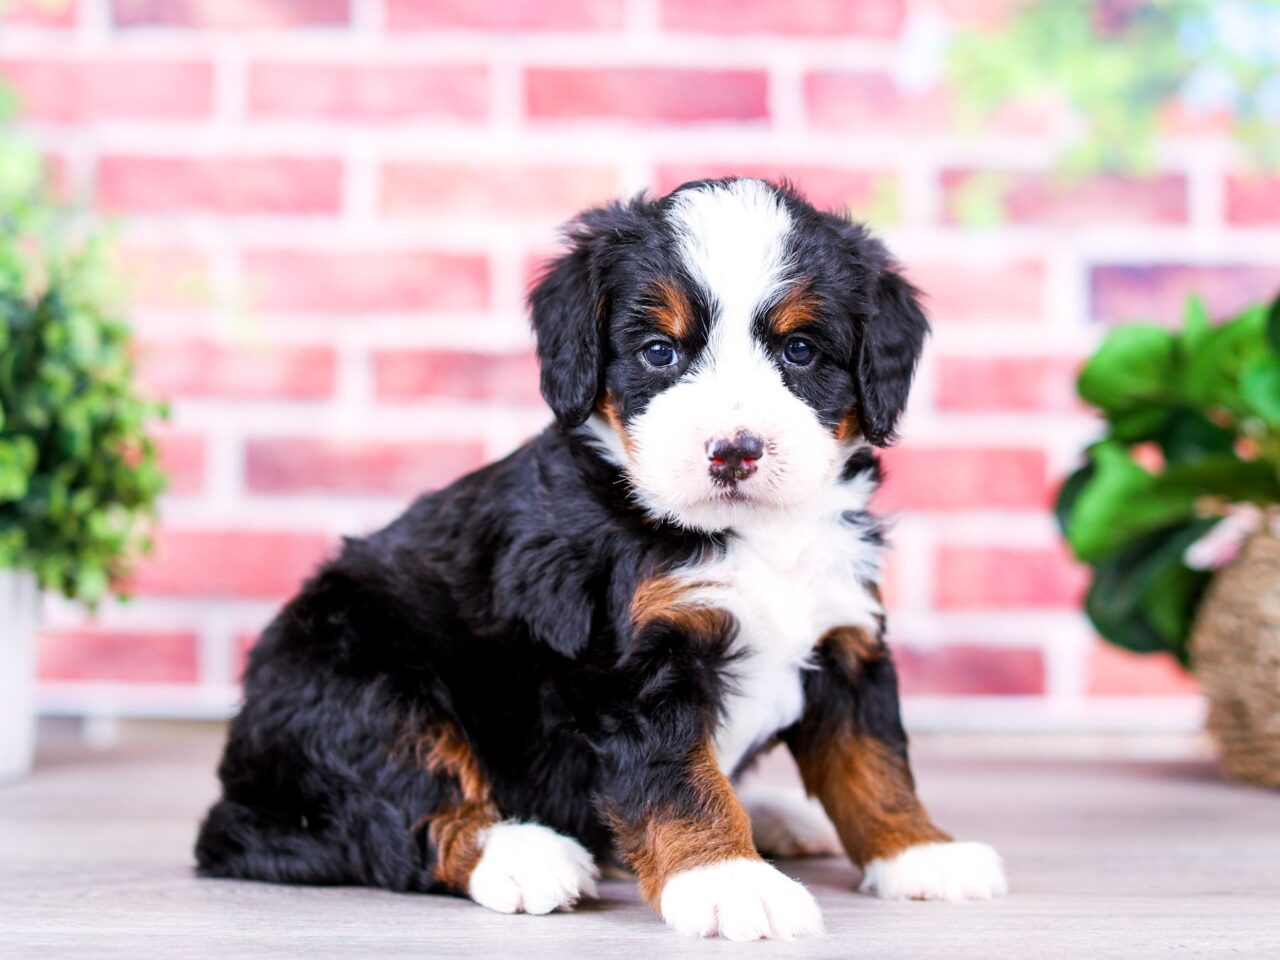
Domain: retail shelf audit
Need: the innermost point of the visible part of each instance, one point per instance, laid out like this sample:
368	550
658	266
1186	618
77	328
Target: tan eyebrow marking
672	313
797	309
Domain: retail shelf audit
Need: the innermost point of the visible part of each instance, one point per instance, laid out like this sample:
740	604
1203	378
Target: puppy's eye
799	352
659	354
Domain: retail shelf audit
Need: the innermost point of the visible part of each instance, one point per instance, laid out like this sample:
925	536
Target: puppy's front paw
937	871
739	899
529	868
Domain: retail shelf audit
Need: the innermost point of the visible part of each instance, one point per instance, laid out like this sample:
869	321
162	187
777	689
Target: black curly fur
500	607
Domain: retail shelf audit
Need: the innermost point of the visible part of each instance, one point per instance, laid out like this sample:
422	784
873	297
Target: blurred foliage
1120	63
1193	426
78	473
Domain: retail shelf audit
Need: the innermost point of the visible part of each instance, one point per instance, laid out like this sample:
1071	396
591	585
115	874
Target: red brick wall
331	209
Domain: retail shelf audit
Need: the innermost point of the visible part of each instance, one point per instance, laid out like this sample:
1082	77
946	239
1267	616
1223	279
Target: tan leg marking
455	832
671	601
668	842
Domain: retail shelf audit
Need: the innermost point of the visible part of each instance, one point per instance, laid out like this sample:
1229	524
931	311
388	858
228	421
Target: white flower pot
19	614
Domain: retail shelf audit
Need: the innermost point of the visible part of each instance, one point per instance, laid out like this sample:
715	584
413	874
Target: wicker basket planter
1236	651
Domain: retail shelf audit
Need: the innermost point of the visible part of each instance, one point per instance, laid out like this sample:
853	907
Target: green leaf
1064	508
1186	434
1213	371
1226	477
1143	597
1196	323
1260	389
17	462
1273	325
1121	501
1173	594
1134	426
1134	368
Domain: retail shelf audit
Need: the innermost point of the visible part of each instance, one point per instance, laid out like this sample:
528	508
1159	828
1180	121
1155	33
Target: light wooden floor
1104	860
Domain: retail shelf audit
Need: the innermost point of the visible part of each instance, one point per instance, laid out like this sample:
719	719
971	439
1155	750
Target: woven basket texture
1236	650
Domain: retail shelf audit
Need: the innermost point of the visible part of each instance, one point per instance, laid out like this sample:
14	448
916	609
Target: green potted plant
1177	511
78	473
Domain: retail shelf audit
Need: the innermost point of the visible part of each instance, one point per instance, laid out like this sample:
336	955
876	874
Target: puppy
571	653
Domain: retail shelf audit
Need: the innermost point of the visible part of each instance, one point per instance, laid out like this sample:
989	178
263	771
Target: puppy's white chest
786	584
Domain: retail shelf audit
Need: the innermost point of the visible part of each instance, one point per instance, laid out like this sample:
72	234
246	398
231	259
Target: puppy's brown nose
733	459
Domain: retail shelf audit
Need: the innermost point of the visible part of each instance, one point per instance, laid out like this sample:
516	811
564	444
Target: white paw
937	871
739	899
529	868
784	823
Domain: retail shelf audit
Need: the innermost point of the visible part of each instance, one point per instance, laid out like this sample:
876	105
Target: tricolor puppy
570	654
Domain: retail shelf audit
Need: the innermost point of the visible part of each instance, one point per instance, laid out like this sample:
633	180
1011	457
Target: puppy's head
728	345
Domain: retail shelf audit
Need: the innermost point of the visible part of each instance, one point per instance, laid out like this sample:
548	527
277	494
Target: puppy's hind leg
786	824
241	842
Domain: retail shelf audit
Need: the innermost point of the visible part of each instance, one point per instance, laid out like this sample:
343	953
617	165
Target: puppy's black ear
885	364
569	305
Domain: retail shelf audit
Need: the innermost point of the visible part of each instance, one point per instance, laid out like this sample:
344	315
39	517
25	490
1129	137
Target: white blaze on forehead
732	240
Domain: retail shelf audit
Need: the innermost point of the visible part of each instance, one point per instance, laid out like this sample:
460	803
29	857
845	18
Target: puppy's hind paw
786	824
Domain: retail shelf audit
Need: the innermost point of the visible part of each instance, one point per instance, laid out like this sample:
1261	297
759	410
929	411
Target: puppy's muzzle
731	459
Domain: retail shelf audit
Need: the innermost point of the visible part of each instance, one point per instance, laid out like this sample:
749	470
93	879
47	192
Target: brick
895	573
118	656
566	15
200	368
1113	672
872	101
1044	198
829	188
863	101
182	456
60	14
225	185
968	670
401	375
231	14
958	291
1007	384
874	18
1126	292
965	478
494	189
984	577
168	277
1253	201
229	563
646	94
301	465
360	281
368	93
83	91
